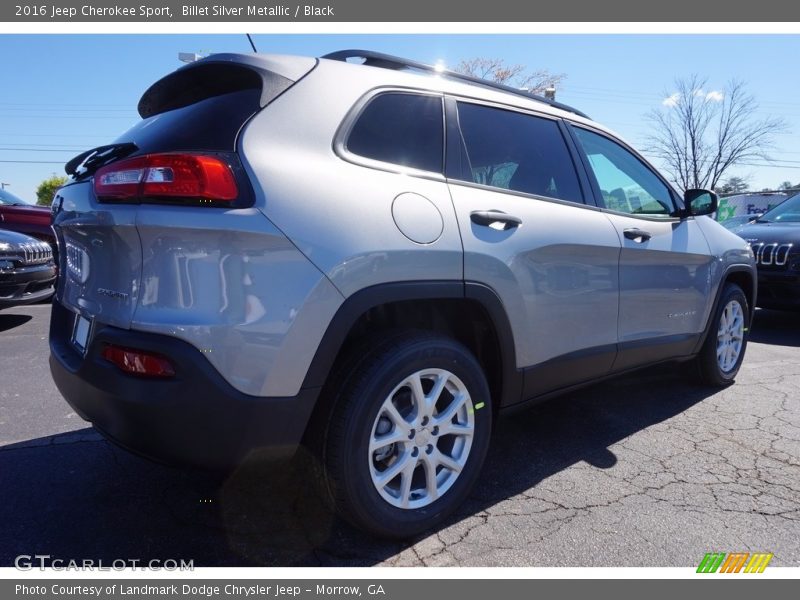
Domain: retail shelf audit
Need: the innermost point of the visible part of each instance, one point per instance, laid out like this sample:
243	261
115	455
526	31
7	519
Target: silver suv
372	259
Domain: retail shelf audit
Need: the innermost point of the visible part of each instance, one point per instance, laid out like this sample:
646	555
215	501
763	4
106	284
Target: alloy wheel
730	336
421	438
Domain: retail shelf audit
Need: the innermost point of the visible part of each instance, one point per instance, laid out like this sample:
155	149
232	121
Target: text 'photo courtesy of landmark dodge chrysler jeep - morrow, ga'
371	259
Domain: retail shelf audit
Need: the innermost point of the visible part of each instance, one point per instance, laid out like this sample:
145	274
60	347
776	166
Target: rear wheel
408	436
723	351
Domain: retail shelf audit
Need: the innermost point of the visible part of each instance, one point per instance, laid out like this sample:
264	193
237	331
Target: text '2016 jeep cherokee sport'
373	259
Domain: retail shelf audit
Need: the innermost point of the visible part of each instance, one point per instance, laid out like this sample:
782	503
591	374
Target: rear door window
516	151
404	129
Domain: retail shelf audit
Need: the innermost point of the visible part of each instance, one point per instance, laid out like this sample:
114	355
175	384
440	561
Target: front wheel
723	351
409	435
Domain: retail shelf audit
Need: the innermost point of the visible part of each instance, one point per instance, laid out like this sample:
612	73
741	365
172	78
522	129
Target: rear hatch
182	155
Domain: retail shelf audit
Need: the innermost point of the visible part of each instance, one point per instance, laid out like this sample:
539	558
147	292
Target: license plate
80	332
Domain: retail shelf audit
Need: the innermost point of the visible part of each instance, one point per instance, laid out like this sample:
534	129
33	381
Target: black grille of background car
772	255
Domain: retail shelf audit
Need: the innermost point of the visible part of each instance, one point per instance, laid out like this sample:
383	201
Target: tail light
168	176
138	362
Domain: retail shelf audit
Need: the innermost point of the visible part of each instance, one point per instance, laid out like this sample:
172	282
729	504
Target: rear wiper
88	162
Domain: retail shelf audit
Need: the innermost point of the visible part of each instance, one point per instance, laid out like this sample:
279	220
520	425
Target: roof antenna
249	39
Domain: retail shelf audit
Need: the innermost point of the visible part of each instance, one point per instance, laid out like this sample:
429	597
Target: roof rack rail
387	61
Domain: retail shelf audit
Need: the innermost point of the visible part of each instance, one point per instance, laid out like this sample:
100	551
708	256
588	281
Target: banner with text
406	11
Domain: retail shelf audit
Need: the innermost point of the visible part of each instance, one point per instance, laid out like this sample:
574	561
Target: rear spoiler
216	75
88	162
221	74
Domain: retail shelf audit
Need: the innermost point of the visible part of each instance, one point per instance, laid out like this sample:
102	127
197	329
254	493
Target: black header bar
440	11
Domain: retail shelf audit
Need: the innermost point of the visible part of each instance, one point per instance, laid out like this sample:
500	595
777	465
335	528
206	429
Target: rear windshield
210	124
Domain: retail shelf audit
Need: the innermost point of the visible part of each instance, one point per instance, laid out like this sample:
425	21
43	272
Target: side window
401	128
626	183
518	152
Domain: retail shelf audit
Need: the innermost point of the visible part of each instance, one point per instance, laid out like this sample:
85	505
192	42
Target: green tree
733	185
47	189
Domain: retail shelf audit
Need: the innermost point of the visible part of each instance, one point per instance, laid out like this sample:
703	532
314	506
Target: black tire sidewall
711	364
367	507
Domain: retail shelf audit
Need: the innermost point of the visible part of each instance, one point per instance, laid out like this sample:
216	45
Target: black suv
775	239
27	270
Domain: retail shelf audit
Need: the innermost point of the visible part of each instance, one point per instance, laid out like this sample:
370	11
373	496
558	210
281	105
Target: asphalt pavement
645	470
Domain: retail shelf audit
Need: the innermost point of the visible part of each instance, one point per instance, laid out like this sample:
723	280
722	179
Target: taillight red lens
191	176
138	362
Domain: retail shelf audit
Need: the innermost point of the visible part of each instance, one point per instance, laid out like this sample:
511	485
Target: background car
775	240
27	270
734	223
23	217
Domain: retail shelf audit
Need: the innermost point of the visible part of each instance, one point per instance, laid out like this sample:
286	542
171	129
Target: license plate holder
80	333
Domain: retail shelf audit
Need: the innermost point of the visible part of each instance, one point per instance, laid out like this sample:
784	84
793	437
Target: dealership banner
459	11
388	589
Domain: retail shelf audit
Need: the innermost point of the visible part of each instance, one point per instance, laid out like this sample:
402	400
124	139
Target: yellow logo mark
758	562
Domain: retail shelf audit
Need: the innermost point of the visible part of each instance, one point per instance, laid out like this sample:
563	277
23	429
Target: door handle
489	217
637	235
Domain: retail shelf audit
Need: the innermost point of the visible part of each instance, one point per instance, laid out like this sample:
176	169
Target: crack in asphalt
738	457
637	471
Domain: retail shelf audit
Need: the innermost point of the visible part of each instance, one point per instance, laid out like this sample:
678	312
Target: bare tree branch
497	71
702	134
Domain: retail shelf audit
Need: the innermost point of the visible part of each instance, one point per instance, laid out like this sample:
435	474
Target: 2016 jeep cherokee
372	259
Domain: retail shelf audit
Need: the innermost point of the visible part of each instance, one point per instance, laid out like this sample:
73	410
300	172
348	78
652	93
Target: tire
421	474
728	328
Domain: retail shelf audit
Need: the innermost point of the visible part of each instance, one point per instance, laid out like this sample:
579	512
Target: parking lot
641	471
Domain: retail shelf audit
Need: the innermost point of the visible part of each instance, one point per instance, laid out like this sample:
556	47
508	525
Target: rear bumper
194	419
26	285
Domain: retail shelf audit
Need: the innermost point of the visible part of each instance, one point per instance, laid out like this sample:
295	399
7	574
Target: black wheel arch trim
738	268
360	302
513	379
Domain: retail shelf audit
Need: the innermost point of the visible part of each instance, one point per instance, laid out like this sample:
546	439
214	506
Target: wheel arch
446	302
742	275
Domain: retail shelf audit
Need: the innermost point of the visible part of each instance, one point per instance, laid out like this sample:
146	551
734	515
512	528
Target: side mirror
700	202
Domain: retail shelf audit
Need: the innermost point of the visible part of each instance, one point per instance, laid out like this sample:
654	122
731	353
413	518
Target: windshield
787	211
8	198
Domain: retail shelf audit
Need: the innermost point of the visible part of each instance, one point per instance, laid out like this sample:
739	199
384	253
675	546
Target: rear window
403	129
203	80
209	124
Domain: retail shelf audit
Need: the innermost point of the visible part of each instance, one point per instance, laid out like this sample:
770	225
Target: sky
67	93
